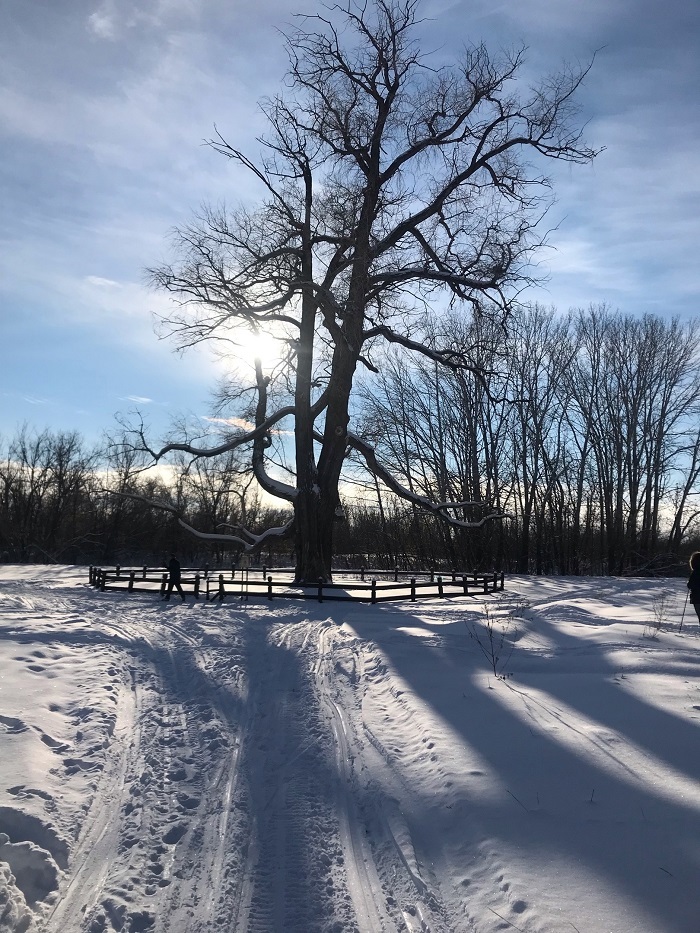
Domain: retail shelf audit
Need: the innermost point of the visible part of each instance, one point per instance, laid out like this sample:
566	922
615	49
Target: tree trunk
313	524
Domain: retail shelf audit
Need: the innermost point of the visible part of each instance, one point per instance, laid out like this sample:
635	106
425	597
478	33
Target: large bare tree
387	182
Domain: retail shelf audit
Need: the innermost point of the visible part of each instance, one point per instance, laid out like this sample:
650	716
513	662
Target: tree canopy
390	185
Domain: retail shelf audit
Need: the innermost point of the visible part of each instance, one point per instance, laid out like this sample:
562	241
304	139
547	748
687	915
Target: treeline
57	503
583	429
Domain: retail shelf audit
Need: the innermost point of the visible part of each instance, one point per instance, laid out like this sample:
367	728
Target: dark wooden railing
243	584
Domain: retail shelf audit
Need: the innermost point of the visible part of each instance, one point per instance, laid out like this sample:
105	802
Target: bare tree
386	183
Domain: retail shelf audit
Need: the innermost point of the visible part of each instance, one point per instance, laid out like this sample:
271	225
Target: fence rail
204	584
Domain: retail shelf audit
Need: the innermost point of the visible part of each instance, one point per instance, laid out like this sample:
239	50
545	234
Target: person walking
694	582
174	574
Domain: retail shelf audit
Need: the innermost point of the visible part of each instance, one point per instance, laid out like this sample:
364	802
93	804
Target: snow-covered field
298	767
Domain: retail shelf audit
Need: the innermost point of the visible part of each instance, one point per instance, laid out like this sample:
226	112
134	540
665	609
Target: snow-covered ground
298	767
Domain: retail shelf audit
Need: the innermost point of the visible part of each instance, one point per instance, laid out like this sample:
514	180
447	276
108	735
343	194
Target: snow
328	767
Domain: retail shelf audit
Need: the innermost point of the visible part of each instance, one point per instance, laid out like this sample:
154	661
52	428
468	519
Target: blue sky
104	105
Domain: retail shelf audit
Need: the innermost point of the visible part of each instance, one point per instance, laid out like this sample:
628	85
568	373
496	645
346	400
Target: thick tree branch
441	509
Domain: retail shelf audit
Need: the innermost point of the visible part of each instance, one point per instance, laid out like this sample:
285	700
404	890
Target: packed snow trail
303	768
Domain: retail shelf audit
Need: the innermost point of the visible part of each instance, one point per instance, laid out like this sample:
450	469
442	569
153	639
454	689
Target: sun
261	346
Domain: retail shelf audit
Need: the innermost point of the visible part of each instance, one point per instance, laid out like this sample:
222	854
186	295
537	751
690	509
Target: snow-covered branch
436	508
260	431
244	538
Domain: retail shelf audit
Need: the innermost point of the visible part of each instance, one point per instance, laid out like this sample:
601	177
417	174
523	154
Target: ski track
223	804
309	798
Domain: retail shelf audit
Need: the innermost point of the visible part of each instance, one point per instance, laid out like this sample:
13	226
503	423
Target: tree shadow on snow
567	788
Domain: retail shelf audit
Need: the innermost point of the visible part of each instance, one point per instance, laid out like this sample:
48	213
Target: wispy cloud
239	423
101	283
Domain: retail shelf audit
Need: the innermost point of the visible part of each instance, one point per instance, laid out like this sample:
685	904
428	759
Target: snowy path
315	769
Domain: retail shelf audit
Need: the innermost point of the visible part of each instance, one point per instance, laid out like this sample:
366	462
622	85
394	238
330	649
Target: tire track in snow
162	816
297	880
411	893
363	881
90	860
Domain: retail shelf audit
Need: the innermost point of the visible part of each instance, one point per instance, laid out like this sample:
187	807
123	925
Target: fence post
486	584
119	570
143	573
207	579
269	587
103	579
320	591
264	570
396	574
476	577
503	579
221	587
432	575
465	584
197	582
131	580
413	589
163	584
495	581
362	574
454	577
233	571
90	574
440	590
374	591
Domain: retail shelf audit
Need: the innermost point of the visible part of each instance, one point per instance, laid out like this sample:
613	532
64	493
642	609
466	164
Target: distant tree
388	183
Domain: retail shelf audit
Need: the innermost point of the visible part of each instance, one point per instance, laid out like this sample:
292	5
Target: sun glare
260	346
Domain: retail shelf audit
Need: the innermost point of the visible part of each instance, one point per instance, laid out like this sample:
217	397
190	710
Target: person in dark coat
174	578
694	582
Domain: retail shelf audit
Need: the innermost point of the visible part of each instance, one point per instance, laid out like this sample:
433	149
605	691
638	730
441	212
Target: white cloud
100	282
102	22
240	423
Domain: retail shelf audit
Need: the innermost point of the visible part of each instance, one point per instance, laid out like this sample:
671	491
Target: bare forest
586	436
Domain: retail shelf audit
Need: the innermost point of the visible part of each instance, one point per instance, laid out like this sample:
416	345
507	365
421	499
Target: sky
104	108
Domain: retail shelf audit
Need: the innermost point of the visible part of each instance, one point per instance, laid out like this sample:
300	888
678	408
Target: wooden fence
244	584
